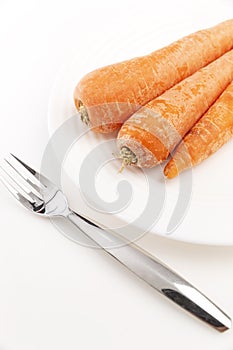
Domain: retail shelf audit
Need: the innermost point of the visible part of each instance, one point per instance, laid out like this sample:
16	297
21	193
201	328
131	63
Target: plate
196	207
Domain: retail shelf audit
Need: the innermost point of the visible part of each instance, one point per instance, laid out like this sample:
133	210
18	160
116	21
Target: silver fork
46	199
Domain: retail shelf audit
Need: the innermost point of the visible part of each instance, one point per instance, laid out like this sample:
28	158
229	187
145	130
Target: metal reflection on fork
39	195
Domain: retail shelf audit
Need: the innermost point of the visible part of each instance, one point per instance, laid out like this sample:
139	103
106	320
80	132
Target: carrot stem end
83	113
128	157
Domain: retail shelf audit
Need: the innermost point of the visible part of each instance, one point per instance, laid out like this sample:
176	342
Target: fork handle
155	273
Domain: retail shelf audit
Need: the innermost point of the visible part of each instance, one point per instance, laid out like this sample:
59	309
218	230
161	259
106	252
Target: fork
46	199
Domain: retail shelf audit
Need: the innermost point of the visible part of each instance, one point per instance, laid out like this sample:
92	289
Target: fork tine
33	198
10	188
34	184
42	180
32	171
21	197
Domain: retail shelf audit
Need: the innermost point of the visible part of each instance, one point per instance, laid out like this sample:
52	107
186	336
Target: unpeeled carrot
151	133
108	96
210	133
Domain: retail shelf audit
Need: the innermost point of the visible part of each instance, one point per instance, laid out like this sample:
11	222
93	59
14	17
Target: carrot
210	133
151	133
108	96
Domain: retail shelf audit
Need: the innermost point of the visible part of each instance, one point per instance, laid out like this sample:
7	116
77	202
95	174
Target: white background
55	294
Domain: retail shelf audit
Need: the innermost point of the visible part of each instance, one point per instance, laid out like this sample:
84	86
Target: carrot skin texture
112	93
153	132
210	133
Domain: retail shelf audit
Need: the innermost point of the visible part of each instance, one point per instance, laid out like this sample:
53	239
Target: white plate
208	219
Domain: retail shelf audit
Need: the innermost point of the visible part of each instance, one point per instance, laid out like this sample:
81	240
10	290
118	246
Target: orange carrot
108	96
210	133
151	133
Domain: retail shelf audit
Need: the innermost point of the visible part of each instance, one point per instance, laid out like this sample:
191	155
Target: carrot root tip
122	168
128	157
83	113
117	156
